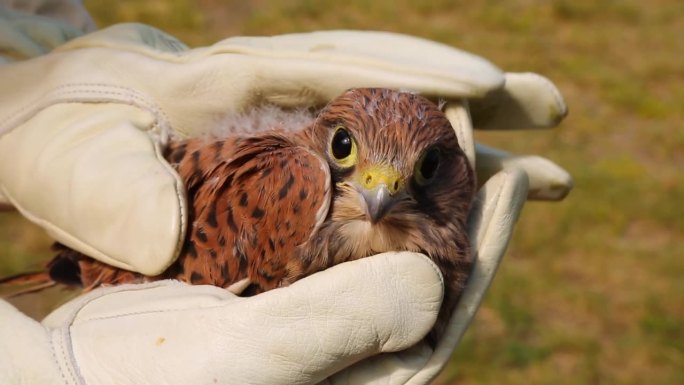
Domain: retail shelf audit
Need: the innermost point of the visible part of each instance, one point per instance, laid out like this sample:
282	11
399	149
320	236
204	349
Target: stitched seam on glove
89	93
60	346
434	268
84	301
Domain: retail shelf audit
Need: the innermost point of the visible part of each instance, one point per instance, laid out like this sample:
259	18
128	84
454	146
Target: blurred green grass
591	290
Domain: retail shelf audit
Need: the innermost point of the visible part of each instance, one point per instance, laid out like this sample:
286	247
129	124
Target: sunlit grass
591	290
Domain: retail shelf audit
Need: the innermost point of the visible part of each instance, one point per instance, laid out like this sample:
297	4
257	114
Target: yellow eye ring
426	167
343	148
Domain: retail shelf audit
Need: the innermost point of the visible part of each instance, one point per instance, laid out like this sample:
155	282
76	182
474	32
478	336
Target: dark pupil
341	144
430	163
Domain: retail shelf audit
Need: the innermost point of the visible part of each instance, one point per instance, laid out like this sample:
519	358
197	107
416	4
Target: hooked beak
379	186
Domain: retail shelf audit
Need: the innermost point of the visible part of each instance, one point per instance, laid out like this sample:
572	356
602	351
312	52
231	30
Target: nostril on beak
377	176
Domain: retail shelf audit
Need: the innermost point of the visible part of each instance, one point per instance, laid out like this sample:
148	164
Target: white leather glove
80	147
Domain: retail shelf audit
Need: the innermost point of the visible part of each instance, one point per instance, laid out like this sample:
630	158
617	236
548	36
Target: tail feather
26	278
27	283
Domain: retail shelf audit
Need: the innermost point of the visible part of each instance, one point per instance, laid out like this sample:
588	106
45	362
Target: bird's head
397	169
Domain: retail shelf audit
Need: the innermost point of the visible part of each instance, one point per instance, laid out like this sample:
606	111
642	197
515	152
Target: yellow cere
375	175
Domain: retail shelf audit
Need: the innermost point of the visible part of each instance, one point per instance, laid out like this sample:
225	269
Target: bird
375	170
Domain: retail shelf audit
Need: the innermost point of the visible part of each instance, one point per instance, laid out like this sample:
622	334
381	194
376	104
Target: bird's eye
343	148
341	145
426	167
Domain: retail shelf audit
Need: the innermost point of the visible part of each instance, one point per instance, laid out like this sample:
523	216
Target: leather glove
80	150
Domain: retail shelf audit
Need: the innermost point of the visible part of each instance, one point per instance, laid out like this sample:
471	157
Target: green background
592	289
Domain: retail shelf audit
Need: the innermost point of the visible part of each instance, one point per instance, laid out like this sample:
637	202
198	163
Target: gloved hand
171	333
80	148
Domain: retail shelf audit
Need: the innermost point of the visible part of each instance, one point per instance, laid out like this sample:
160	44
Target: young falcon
377	170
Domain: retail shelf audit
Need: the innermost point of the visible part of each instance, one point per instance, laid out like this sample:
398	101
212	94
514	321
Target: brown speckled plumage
273	207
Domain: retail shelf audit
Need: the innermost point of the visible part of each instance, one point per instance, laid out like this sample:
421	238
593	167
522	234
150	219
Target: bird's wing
254	201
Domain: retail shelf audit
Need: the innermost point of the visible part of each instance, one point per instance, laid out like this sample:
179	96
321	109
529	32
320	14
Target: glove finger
296	70
491	221
85	173
369	58
547	180
334	318
528	100
301	70
459	117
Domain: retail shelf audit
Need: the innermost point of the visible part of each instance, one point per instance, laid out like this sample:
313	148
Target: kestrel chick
377	170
